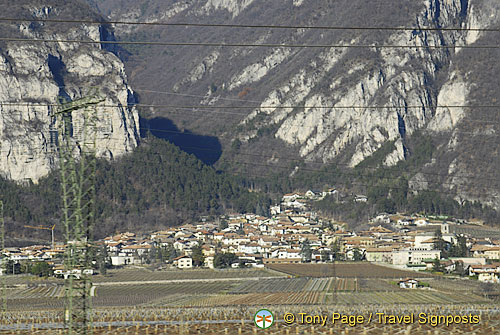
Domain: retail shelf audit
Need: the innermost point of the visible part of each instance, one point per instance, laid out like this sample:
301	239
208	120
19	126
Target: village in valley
292	234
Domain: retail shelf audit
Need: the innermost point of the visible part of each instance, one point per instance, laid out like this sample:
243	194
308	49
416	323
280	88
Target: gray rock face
332	125
34	75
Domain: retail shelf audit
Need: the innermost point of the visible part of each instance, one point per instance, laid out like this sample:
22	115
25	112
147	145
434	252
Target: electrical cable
248	45
253	26
18	104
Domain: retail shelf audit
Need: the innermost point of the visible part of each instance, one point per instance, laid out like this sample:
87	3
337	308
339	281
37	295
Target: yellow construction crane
45	228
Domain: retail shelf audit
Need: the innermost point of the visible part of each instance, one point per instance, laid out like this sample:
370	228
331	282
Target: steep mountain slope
34	75
348	102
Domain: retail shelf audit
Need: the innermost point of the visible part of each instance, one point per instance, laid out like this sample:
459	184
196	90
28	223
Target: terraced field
458	285
374	284
339	298
43	296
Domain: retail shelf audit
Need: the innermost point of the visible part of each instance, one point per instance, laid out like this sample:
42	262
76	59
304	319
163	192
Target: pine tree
197	255
306	251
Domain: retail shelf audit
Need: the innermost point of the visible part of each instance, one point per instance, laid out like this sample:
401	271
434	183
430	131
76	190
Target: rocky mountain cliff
34	75
349	101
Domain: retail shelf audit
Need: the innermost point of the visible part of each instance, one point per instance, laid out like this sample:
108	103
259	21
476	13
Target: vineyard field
344	270
302	298
133	295
283	285
402	297
475	231
357	284
147	275
215	319
337	298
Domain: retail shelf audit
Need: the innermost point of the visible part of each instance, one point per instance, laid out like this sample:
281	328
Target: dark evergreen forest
155	186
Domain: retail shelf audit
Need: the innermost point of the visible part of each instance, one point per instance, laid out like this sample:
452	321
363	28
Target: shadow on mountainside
206	148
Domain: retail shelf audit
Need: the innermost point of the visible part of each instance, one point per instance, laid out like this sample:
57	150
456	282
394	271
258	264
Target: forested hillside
156	186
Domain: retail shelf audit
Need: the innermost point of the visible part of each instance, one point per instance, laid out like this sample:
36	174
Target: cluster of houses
406	242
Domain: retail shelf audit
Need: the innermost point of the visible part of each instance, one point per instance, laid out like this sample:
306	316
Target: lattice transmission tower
3	263
76	144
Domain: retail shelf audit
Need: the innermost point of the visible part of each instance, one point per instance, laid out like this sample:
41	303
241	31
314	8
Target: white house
383	255
122	260
209	262
361	198
249	248
421	222
183	262
408	283
291	197
488	273
275	209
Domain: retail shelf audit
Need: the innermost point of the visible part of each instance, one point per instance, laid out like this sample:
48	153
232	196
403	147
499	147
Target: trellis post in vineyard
77	132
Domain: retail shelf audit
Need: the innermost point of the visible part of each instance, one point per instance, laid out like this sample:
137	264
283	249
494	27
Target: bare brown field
345	270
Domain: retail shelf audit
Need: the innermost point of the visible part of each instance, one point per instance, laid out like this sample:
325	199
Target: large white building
427	240
413	256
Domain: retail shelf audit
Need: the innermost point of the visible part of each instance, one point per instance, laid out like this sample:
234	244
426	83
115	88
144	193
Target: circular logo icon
263	319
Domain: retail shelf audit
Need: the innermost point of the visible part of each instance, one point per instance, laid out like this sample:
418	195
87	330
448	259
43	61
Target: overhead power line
192	95
25	104
299	160
289	170
253	26
281	158
356	183
249	45
354	175
302	160
194	134
195	109
273	173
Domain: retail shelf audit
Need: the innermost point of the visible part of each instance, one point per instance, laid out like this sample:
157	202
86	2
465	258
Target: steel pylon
3	264
77	131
